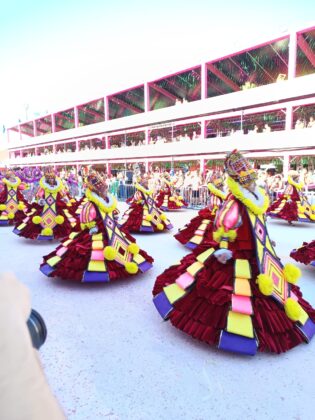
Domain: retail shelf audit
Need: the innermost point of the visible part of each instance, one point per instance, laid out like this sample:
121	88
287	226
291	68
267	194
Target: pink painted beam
223	77
124	104
306	49
163	91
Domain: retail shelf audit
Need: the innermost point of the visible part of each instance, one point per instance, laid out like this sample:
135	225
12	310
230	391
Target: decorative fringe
215	191
235	190
100	203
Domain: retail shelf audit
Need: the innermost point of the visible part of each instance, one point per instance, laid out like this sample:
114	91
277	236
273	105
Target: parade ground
109	355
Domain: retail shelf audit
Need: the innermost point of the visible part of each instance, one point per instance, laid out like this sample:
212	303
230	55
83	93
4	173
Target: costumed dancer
51	217
292	205
237	295
167	199
73	185
12	202
198	232
305	254
31	177
143	215
101	252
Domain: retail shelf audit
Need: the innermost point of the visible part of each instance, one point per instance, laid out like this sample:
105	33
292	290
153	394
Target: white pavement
109	355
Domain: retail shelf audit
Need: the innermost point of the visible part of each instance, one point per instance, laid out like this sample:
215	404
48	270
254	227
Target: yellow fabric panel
97	237
138	259
97	245
205	255
96	266
194	268
22	226
303	317
240	324
174	292
242	287
53	260
196	239
242	269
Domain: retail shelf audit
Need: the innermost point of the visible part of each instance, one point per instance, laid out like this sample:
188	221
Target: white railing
268	144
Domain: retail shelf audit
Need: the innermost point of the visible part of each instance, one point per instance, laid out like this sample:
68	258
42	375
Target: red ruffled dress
167	200
222	304
12	202
143	214
305	254
292	205
198	232
49	218
101	252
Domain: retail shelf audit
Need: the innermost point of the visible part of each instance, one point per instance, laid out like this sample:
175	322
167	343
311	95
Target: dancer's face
251	187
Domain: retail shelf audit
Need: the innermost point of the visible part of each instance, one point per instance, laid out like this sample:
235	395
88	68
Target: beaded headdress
239	168
217	179
95	182
49	173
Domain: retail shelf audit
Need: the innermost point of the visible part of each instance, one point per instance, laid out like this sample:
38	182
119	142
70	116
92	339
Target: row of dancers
231	290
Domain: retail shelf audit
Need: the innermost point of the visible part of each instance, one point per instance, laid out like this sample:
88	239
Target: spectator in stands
299	124
267	128
311	123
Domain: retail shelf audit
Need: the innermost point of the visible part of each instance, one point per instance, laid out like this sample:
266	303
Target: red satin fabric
202	313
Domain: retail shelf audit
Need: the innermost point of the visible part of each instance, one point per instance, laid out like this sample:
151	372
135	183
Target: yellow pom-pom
148	218
313	207
160	226
110	253
180	197
312	216
131	268
2	207
20	206
291	273
292	309
59	219
231	234
72	200
10	215
301	209
163	217
47	232
171	199
36	220
217	235
265	284
133	248
220	234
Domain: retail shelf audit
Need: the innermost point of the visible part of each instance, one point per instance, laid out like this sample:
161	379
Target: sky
56	54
